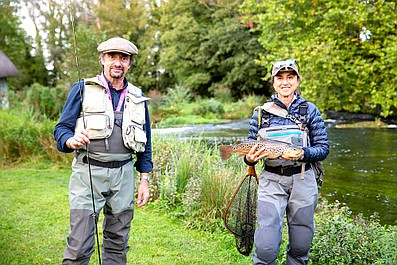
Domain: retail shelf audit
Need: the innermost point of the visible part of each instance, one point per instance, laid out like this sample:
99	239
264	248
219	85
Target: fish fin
226	151
241	154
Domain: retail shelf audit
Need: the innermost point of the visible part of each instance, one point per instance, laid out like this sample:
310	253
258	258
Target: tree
205	47
80	58
344	48
17	46
51	19
182	28
229	54
147	72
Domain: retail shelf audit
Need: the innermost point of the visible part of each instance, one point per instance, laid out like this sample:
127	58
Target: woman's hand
293	157
255	154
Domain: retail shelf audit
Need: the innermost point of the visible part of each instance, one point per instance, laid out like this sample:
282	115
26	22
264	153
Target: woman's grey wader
298	198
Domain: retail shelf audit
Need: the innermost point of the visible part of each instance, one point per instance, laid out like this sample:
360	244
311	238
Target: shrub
45	101
173	101
18	136
242	109
209	107
341	238
23	138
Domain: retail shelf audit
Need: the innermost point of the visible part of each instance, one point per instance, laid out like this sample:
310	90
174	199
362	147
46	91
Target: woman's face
286	83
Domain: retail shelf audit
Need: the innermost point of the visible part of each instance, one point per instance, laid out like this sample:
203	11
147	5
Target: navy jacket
319	146
64	129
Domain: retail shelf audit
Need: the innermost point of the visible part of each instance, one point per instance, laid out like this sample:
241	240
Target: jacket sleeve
252	133
319	146
144	162
64	129
253	129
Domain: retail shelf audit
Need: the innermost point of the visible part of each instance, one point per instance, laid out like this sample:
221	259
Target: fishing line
94	216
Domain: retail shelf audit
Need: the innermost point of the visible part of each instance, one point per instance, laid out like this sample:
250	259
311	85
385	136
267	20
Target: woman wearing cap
287	186
105	122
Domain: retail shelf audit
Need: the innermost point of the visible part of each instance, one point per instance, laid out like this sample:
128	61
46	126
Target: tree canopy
346	49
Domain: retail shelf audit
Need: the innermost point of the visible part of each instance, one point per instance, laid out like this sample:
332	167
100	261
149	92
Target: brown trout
275	148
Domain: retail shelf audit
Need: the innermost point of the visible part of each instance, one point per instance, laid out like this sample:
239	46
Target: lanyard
122	96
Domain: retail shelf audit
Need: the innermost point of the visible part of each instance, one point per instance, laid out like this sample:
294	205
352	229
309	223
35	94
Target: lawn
34	217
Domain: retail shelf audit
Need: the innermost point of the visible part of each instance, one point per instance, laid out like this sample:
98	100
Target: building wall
4	104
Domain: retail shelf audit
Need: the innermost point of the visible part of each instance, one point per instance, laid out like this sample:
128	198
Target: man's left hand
143	193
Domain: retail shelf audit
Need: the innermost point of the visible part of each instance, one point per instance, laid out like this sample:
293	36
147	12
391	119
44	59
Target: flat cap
118	45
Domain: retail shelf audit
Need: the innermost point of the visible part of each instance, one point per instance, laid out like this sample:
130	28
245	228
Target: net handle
251	172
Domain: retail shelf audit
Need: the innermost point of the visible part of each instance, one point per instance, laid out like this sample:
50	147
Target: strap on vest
264	117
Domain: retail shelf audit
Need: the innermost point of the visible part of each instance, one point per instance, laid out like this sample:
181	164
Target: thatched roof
7	68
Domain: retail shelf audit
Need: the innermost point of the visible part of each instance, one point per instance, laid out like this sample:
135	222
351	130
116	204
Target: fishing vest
106	125
292	134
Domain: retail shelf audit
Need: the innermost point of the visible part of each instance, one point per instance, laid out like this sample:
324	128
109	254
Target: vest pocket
133	120
94	99
98	125
135	138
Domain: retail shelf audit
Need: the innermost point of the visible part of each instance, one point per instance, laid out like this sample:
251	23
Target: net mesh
240	216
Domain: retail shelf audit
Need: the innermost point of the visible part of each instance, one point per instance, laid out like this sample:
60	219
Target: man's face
115	65
286	83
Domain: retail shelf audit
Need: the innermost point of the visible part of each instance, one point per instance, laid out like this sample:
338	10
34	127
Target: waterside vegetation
189	184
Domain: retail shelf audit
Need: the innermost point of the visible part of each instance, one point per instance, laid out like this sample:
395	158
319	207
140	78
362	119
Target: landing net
240	215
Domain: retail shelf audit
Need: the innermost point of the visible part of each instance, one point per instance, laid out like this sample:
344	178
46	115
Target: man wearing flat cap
105	122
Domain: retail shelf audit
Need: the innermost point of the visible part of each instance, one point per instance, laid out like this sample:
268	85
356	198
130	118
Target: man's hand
78	140
143	191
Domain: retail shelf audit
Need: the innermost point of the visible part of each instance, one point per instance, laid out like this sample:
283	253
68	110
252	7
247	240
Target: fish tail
226	151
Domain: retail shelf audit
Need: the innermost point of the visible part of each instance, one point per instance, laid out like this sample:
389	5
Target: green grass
34	219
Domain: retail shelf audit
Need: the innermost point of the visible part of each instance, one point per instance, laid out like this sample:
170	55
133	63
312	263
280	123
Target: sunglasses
291	63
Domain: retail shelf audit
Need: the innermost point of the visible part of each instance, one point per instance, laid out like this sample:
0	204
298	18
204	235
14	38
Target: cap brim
120	51
286	70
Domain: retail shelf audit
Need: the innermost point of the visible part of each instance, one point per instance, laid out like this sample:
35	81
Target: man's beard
116	75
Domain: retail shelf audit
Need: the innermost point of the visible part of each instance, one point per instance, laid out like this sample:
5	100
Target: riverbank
34	224
354	120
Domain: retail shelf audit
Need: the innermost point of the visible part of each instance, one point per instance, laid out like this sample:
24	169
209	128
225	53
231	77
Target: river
361	169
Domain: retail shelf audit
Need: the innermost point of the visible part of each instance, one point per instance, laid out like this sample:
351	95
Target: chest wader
285	192
109	165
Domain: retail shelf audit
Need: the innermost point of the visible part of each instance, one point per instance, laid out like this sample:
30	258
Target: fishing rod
94	216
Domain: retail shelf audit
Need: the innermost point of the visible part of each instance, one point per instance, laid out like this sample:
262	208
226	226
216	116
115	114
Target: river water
361	169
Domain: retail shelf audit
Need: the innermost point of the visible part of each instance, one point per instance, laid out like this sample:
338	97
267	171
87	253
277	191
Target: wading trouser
297	198
114	193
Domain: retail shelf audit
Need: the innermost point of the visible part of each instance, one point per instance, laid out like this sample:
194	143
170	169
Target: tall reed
190	173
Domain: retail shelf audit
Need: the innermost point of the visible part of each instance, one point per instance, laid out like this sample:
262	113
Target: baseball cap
118	44
285	66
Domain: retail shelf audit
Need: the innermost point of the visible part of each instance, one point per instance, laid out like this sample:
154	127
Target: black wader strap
94	162
287	170
111	164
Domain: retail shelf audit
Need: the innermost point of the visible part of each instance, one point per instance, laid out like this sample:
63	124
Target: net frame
240	216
